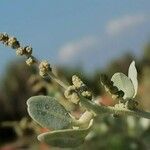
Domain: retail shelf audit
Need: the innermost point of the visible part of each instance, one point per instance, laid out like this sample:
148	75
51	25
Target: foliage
70	131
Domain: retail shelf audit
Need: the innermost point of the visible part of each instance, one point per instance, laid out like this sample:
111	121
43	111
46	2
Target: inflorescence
78	91
12	42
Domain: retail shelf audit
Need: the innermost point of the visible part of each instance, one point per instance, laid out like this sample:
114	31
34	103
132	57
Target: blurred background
86	38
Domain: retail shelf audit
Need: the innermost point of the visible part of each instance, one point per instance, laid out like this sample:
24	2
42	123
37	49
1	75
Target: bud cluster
81	87
72	95
14	44
44	68
131	104
9	41
78	86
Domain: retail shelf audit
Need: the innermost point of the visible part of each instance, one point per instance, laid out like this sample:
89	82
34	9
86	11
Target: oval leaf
65	138
122	82
48	112
132	74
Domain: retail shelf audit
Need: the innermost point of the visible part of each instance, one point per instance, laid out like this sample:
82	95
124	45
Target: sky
87	33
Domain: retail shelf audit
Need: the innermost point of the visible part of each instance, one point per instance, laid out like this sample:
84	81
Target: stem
61	83
99	109
52	76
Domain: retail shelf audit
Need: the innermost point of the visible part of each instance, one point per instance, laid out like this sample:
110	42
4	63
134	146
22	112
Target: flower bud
71	94
28	50
30	61
20	51
44	68
13	43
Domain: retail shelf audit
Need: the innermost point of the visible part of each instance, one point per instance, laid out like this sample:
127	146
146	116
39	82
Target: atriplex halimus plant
49	113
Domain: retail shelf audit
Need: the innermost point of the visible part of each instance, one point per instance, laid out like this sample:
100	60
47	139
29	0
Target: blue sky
76	32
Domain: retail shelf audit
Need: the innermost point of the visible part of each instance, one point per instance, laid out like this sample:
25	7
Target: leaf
132	74
65	138
48	112
122	82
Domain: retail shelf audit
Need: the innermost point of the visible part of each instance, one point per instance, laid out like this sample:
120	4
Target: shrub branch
45	70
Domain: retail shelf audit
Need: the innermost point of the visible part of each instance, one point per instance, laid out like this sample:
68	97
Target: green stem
54	78
99	109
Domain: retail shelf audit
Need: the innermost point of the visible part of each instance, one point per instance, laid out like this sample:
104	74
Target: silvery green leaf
122	82
65	138
132	74
48	112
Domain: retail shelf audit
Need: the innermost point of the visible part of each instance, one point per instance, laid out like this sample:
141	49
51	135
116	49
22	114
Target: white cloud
72	49
124	23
